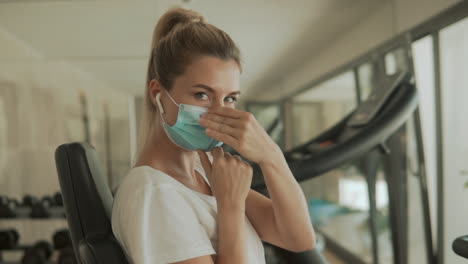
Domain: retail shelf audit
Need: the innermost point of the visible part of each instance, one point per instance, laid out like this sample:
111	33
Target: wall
391	18
39	110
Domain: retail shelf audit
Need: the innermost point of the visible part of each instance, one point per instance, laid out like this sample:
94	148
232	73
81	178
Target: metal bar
422	165
395	175
85	117
357	86
107	135
439	150
371	165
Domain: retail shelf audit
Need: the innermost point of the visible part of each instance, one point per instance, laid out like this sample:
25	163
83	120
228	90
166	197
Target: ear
154	89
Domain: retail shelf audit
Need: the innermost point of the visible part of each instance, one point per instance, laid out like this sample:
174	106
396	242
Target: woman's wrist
272	157
229	205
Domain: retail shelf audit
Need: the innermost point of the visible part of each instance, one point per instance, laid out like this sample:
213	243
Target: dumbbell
62	241
8	207
49	200
14	201
67	256
48	206
58	199
8	239
39	253
29	200
41	209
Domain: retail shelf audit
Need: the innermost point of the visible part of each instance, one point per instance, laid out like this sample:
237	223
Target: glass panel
395	61
339	208
423	60
367	77
454	88
339	200
322	106
330	197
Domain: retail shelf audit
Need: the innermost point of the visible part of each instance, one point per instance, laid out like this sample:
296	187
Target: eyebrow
206	87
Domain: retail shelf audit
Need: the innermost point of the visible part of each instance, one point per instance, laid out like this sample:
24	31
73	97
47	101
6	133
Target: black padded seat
88	203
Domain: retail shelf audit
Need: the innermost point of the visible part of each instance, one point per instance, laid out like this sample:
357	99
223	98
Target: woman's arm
286	221
232	242
230	179
289	205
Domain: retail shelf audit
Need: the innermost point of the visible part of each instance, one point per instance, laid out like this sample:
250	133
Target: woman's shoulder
142	178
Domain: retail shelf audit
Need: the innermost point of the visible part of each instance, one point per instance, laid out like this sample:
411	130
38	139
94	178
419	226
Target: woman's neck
162	154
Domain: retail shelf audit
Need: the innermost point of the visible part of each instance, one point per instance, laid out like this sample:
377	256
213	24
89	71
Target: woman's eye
230	99
201	96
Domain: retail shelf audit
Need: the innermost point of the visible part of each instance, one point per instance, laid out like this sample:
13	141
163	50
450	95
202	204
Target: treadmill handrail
396	112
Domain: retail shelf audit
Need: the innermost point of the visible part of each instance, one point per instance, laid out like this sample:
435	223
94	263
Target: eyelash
198	95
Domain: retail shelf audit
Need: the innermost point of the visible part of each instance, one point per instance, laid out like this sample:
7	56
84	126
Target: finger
227	111
231	141
227	155
222	128
221	152
216	154
246	163
232	122
237	157
206	164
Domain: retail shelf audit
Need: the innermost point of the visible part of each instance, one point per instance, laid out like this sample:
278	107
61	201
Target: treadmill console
369	108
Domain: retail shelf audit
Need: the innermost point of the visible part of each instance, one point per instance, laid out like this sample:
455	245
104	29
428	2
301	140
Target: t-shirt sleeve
163	228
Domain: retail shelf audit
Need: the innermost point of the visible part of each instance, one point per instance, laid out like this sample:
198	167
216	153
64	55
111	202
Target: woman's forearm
289	204
232	244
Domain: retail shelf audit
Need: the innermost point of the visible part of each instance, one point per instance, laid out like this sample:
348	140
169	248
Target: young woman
185	200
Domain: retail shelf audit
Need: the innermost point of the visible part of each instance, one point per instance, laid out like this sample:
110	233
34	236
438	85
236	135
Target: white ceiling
110	39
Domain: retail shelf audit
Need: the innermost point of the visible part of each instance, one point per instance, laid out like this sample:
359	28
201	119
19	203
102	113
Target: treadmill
366	130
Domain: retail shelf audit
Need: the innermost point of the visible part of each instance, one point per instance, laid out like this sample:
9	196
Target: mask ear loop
158	102
161	112
170	97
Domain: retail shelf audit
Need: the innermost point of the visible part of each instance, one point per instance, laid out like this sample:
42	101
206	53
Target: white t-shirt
158	220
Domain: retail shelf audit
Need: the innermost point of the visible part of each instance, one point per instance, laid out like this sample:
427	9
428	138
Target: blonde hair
180	36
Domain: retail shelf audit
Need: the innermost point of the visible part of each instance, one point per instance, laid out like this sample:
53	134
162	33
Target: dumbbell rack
42	251
33	225
27	212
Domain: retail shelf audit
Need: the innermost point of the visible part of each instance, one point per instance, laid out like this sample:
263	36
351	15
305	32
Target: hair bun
173	18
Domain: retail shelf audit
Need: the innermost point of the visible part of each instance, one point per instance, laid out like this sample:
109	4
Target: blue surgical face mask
187	133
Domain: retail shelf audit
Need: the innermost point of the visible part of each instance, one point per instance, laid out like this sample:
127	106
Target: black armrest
460	246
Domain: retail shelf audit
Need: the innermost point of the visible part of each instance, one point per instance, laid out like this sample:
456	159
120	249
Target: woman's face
207	82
